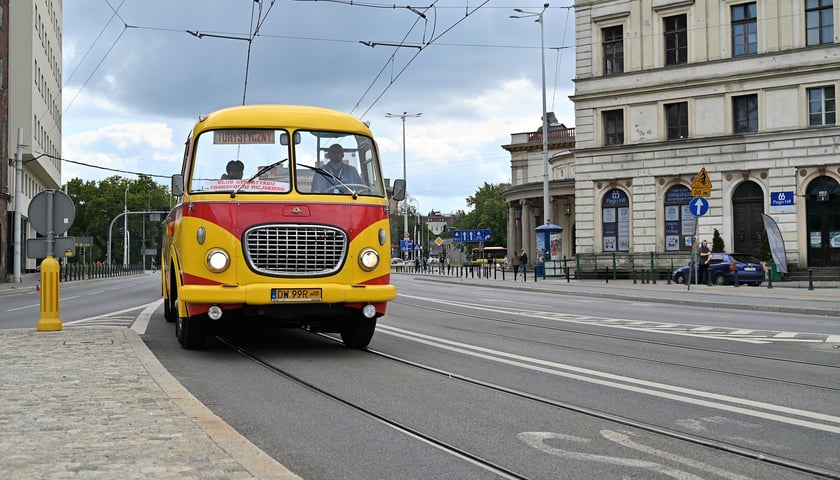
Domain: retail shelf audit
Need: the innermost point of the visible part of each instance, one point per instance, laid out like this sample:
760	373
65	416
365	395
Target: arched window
615	218
679	222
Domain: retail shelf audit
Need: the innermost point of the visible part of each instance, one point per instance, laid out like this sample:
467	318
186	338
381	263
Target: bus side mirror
177	185
284	138
398	192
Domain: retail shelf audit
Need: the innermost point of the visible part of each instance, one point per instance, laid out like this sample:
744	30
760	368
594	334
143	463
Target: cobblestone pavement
94	403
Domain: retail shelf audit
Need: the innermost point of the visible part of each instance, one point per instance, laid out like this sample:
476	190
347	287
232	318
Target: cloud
135	82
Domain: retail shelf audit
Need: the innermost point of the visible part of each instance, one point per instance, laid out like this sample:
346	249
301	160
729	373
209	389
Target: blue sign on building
781	199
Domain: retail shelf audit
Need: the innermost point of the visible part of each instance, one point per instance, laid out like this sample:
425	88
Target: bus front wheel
191	331
357	332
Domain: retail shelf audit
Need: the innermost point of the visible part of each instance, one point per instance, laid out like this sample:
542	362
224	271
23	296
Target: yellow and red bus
488	255
282	217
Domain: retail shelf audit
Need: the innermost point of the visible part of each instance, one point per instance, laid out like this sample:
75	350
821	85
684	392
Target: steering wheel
358	187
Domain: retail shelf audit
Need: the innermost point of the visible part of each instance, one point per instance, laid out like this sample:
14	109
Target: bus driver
336	166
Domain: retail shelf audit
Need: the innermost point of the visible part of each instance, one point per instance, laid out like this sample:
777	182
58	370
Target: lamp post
405	202
546	215
125	228
418	232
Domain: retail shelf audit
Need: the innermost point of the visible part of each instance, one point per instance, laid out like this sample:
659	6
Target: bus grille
295	250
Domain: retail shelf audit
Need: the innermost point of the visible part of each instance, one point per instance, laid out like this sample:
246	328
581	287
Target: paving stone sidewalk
94	403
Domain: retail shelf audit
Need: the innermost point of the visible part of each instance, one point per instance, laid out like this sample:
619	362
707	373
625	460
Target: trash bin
774	274
538	270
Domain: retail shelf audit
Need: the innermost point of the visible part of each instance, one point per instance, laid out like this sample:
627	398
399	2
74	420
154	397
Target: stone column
512	233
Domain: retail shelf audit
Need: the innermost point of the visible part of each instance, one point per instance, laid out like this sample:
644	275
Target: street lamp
125	227
418	232
546	215
405	202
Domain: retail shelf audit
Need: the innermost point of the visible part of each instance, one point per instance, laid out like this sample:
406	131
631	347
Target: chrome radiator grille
295	250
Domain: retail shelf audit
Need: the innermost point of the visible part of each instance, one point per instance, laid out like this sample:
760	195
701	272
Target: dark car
722	268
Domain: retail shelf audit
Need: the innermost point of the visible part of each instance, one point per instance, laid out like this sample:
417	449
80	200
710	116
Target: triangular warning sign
702	180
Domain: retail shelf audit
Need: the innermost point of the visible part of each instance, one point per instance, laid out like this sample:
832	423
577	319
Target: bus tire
191	332
170	309
357	332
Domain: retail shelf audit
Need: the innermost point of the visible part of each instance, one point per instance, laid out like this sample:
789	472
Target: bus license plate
295	294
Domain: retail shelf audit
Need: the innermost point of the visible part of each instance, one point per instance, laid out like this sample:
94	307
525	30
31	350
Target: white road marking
110	314
142	321
538	440
718	333
625	441
727	403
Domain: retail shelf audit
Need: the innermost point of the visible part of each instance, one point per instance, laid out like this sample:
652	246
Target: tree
99	203
717	242
489	212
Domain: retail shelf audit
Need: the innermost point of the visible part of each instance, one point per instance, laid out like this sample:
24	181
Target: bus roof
287	116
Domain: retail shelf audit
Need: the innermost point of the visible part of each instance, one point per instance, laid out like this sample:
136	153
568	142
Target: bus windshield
266	161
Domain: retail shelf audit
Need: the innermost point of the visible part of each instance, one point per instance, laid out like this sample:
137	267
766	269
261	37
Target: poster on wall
672	242
672	213
816	239
616	221
556	245
688	221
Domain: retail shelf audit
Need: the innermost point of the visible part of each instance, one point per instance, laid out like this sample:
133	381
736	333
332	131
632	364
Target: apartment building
5	188
34	105
743	89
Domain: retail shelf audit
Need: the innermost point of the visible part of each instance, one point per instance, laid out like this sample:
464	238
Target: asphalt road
618	388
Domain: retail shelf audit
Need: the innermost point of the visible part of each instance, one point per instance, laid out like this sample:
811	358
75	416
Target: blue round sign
698	206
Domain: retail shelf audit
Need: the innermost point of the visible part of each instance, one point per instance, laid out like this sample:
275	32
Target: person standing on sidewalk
523	263
705	256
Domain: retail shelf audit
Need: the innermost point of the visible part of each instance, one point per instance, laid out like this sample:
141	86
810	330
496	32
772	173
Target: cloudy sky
135	80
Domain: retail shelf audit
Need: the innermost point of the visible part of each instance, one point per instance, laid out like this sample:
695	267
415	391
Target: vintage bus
283	218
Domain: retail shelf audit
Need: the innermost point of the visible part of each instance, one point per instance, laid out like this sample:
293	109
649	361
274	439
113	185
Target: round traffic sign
63	212
698	206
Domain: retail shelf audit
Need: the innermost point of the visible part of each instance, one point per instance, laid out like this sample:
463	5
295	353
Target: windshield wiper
259	172
324	172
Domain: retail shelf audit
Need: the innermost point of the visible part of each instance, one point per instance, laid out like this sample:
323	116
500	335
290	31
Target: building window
679	222
676	40
819	22
676	118
745	113
614	127
613	49
822	106
744	30
615	220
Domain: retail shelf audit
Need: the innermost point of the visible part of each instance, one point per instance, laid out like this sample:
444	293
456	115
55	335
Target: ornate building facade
745	90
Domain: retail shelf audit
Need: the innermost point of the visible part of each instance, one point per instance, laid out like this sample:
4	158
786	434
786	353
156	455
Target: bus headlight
218	260
368	259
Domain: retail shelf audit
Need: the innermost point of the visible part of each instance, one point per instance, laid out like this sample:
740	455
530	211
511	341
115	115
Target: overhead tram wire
429	43
390	60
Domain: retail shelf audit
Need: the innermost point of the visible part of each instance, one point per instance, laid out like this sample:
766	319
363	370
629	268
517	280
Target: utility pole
18	206
405	202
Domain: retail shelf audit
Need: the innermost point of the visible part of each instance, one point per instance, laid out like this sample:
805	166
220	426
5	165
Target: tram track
501	471
441	445
834	370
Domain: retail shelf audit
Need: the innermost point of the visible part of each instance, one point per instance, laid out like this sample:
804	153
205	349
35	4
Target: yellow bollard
50	320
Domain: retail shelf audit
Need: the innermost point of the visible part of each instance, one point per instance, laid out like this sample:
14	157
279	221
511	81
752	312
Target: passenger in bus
336	166
234	170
